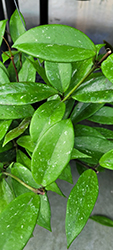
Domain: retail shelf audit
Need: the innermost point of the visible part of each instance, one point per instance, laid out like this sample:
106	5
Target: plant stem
79	83
35	190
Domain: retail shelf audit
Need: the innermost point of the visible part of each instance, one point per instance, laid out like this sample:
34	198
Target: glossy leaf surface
6	194
103	116
84	130
47	160
107	133
14	223
76	154
95	90
59	75
107	68
44	218
27	73
3	76
4	125
59	43
2	29
66	174
106	160
15	112
16	131
26	142
24	93
80	204
23	159
104	220
41	71
44	117
16	26
54	188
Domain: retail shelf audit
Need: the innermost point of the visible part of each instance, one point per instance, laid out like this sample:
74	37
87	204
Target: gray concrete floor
94	236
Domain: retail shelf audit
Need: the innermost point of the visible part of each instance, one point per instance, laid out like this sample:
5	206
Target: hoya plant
44	125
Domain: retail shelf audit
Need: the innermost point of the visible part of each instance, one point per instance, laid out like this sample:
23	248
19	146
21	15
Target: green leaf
80	204
7	55
2	29
59	43
27	73
84	110
45	213
8	156
47	160
107	133
23	159
44	117
66	174
15	112
107	68
84	130
16	26
104	220
103	116
54	188
24	93
80	167
3	77
4	125
93	146
12	134
69	106
59	75
95	90
26	142
41	71
25	175
2	66
106	160
16	227
6	194
76	154
99	46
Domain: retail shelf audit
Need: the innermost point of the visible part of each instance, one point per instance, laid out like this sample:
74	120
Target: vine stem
95	66
35	190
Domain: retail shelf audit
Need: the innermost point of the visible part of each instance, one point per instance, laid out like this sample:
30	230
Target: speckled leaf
104	220
52	153
59	43
27	73
106	160
24	93
18	220
15	112
25	175
54	188
45	213
26	142
16	26
107	68
80	204
4	125
66	174
23	159
95	90
59	75
84	110
14	133
2	29
44	117
76	154
103	116
6	194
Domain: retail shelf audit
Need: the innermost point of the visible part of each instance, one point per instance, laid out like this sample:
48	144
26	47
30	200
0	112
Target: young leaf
44	117
6	194
45	213
2	29
104	220
103	116
18	220
16	26
24	93
59	75
58	43
15	112
27	73
95	90
106	160
66	174
52	153
107	68
23	159
84	110
16	131
54	188
4	125
80	204
25	175
26	142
